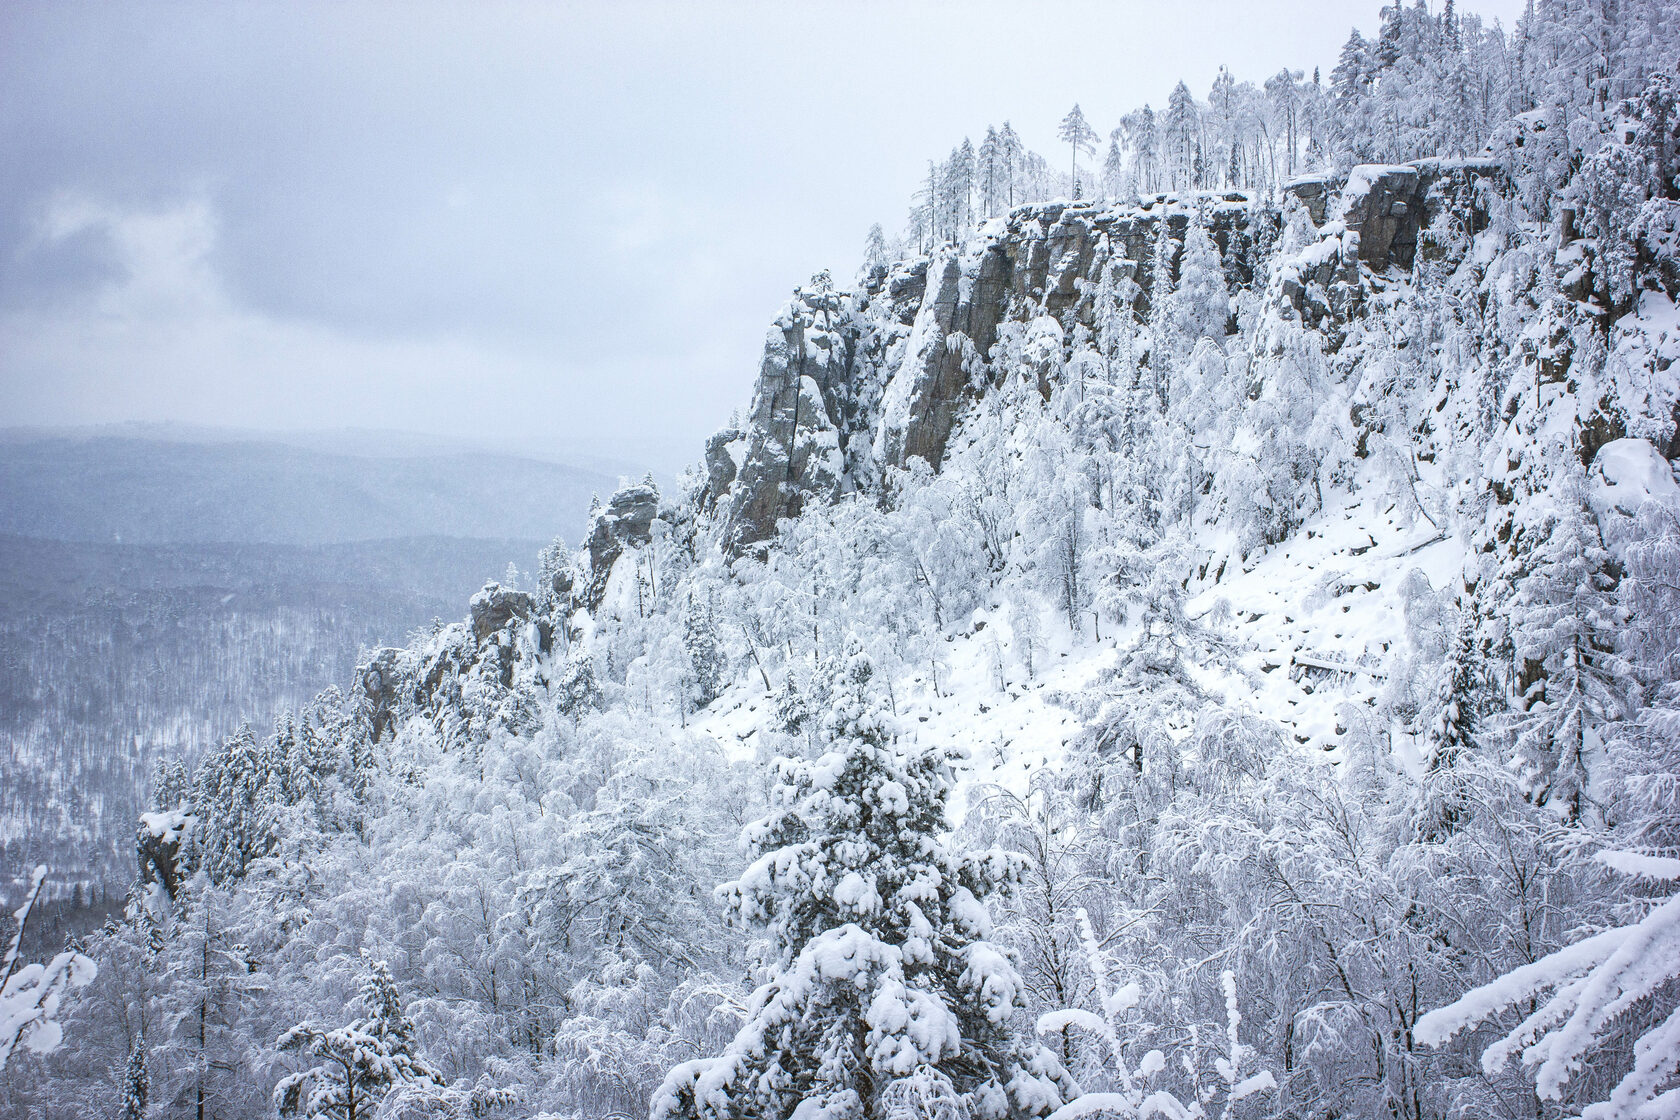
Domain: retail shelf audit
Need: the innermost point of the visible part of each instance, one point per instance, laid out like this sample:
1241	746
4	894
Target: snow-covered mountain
1208	654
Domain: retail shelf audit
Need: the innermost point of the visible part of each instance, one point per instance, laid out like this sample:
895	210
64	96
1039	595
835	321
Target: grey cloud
40	271
601	204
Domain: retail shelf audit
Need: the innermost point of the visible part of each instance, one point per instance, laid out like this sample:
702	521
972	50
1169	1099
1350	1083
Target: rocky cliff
854	383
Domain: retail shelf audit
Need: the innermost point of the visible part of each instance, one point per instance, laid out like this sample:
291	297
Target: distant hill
150	491
160	585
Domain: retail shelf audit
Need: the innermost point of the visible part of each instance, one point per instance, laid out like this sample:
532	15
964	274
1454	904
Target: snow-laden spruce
357	1065
30	994
884	984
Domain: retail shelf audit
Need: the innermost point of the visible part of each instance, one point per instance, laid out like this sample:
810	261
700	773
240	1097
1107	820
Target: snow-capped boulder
494	607
1315	192
157	846
1390	205
1625	475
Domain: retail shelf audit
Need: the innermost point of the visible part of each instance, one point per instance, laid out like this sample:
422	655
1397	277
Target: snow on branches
886	989
1593	985
31	994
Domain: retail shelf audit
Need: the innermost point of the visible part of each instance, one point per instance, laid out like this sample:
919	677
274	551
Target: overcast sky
552	227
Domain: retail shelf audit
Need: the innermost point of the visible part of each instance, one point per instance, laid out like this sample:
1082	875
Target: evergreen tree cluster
1430	83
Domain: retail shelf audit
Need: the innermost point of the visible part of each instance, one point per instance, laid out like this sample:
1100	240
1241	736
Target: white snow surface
1315	619
1625	475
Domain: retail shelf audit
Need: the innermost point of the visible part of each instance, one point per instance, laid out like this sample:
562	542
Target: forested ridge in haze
160	588
1191	632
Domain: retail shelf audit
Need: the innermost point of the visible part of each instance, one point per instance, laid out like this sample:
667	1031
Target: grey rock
924	397
791	450
157	847
493	608
1379	215
721	465
381	681
1400	201
627	521
1315	192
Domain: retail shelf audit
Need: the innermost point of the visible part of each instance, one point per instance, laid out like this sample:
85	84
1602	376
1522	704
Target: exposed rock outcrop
381	680
853	384
966	303
1039	256
502	636
1377	221
626	521
494	607
157	847
791	448
1388	206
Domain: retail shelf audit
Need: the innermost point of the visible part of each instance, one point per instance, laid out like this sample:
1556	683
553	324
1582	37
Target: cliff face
853	384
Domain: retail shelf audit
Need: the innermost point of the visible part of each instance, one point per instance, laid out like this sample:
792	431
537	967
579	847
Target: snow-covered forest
1191	631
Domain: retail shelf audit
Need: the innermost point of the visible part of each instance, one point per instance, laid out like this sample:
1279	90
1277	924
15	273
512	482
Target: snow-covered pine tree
1166	346
704	653
171	785
358	1063
988	173
1111	313
875	248
578	689
792	708
1201	304
919	222
1181	137
1565	619
235	806
1350	85
1109	421
1283	92
1146	156
1008	166
1452	736
962	186
137	1084
885	984
1114	167
1079	136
